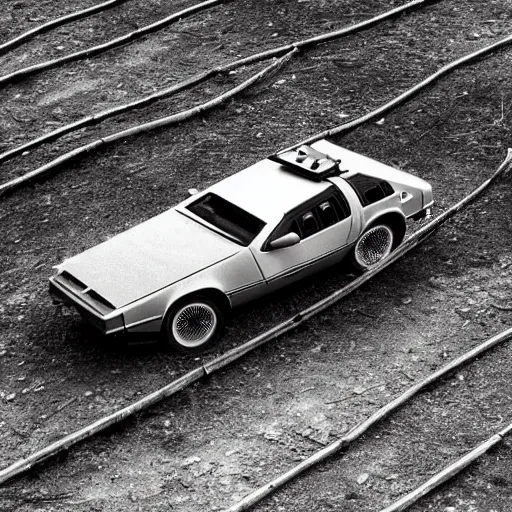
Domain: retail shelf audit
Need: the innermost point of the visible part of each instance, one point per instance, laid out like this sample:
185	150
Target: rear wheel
193	324
373	246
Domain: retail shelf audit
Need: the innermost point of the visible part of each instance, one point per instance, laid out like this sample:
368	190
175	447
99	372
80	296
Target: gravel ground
219	439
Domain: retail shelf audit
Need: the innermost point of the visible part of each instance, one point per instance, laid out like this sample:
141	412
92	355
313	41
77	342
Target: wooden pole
62	444
447	473
145	127
351	125
109	45
232	355
379	112
343	443
200	78
58	22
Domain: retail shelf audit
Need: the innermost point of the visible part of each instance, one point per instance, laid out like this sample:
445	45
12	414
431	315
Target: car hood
149	257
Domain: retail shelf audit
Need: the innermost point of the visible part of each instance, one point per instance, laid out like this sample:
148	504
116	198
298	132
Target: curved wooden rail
377	113
142	128
109	45
58	22
202	77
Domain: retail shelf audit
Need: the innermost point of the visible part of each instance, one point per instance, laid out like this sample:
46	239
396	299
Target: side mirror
285	241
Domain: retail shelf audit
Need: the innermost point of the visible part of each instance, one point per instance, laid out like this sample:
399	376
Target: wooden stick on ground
109	45
379	112
20	181
202	77
447	473
232	355
146	127
342	443
58	22
99	425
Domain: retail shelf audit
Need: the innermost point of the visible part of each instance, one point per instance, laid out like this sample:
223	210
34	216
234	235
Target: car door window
328	211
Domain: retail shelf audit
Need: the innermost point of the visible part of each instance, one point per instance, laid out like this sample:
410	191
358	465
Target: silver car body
130	281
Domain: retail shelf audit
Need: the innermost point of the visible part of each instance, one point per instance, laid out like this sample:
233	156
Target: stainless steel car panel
107	323
146	325
390	204
283	266
148	257
237	277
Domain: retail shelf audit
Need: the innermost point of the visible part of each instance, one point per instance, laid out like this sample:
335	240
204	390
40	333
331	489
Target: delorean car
286	217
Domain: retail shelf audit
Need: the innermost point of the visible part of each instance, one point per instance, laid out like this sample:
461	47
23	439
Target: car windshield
232	220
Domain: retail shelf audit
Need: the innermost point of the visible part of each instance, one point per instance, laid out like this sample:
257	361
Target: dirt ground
211	444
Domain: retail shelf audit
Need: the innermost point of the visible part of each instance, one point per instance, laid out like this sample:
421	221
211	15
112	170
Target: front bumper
106	324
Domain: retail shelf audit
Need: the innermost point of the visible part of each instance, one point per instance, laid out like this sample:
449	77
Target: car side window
328	211
369	189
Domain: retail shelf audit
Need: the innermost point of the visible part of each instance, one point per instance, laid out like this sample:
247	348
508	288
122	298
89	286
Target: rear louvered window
369	189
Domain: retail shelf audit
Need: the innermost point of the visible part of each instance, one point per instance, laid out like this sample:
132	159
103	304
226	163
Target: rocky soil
211	444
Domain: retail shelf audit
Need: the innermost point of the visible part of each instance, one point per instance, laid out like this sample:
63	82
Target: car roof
268	190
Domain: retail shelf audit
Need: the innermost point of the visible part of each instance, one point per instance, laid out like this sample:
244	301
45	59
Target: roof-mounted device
308	163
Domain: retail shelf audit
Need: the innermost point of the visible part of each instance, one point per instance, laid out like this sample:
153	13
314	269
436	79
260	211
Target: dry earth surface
214	442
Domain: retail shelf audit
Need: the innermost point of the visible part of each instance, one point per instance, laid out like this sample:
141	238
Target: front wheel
192	324
372	247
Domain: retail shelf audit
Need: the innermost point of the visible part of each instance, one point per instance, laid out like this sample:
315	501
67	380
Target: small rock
407	300
361	479
190	460
10	397
88	393
307	432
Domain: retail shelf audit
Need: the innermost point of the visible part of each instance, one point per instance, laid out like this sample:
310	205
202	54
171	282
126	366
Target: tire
373	246
192	324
